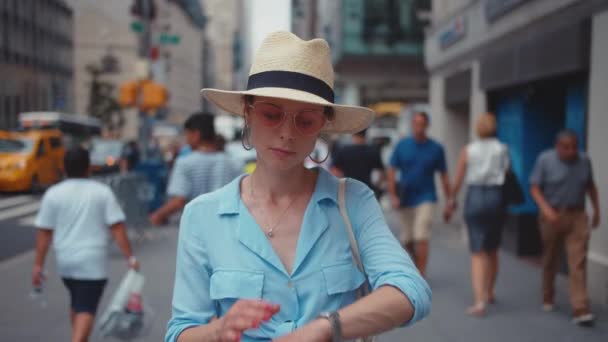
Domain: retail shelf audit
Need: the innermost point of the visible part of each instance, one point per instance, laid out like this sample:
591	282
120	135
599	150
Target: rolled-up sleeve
47	215
537	175
394	161
385	261
192	305
179	186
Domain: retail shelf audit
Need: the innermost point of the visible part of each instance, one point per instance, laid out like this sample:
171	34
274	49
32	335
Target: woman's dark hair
76	162
327	110
202	123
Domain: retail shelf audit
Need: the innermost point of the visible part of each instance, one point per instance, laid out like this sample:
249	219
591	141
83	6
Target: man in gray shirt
559	182
203	170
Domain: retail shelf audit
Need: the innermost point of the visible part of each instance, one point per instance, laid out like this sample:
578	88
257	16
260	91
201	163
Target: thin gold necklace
270	229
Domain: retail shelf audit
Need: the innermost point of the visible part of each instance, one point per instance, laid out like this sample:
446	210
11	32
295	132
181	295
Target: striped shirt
201	172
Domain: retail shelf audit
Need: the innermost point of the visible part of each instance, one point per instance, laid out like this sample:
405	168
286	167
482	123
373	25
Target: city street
17	215
495	108
516	316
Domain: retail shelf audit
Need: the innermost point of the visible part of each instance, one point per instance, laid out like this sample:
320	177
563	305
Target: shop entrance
529	118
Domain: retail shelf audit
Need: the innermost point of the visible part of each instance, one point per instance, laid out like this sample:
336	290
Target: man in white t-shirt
78	216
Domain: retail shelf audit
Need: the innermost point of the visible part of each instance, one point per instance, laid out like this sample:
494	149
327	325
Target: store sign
454	32
497	8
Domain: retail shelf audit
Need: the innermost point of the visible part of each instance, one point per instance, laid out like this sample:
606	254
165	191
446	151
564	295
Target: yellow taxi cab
249	167
30	160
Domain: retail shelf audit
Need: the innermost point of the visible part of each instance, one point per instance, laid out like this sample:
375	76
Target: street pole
145	121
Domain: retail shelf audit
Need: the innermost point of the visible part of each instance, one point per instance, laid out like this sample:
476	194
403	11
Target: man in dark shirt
358	160
559	182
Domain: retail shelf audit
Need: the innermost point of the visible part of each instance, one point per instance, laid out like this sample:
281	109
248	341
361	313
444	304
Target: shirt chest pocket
342	278
232	285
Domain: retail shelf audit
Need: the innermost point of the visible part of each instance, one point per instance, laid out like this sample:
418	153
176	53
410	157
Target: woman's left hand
316	331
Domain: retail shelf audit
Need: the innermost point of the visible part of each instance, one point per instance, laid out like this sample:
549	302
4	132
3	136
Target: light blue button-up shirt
224	256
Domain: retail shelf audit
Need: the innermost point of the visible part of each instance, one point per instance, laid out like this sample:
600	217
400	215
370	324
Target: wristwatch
336	326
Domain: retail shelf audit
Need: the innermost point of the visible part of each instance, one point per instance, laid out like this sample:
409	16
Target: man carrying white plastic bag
79	215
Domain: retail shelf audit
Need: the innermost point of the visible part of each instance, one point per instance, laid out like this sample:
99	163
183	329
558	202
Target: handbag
511	189
364	290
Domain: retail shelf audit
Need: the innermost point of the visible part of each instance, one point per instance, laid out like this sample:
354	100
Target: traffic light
145	95
128	94
153	96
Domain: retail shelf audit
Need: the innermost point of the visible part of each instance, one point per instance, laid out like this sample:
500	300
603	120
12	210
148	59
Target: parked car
105	155
30	160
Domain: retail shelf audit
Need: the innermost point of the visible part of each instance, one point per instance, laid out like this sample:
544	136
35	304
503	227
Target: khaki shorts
417	222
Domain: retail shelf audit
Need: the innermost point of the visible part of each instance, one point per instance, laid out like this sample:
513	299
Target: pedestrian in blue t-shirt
417	158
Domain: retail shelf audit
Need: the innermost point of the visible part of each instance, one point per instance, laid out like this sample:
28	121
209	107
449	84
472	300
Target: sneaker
583	318
548	307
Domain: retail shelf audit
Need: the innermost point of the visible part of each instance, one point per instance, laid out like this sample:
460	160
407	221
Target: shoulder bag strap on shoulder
354	247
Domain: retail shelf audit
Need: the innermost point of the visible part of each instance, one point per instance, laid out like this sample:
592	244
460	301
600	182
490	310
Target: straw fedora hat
287	67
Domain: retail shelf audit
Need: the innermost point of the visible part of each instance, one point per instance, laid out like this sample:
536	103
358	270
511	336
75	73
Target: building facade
222	36
377	46
540	66
101	29
180	66
36	39
223	57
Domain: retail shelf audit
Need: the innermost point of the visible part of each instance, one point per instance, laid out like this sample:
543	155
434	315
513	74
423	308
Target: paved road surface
17	214
516	316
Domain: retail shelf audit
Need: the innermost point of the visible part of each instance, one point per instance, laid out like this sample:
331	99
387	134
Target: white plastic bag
126	317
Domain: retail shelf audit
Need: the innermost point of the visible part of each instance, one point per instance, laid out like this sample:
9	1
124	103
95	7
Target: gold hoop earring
326	156
245	135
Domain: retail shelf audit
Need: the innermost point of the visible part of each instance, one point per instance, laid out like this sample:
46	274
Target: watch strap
336	326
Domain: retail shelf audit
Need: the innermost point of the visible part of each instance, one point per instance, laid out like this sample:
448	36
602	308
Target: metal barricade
134	193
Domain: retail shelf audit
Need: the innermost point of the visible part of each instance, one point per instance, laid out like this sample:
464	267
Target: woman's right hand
245	314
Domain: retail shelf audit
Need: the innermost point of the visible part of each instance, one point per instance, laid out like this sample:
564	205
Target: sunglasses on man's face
307	121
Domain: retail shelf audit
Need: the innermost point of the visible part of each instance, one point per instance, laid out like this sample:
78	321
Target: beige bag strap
349	227
354	247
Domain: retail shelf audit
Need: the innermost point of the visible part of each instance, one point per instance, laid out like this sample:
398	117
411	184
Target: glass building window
383	27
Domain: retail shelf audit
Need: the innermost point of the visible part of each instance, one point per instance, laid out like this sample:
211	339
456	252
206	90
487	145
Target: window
55	142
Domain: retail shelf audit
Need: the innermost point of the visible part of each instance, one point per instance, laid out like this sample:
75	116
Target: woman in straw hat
268	256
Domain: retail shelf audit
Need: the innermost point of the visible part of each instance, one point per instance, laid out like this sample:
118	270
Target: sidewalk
23	320
516	316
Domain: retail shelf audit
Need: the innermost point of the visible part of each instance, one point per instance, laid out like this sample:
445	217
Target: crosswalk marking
11	201
28	220
19	211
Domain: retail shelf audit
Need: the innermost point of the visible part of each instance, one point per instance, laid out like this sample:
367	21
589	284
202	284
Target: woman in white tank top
483	165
